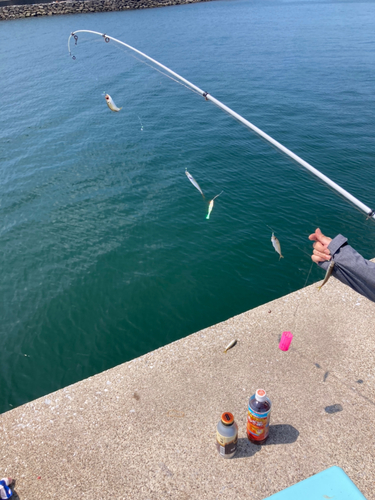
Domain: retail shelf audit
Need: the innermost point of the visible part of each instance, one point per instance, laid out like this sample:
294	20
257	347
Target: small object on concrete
227	435
285	341
258	417
5	491
229	346
175	414
333	408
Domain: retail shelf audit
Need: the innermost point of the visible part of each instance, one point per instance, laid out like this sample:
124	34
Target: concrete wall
146	429
57	8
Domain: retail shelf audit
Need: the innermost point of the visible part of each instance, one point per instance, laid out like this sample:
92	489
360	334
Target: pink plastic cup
285	341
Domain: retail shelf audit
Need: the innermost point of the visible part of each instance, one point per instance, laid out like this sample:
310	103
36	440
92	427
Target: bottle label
226	445
257	424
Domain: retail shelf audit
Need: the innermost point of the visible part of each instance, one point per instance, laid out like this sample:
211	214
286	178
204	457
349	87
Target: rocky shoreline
83	6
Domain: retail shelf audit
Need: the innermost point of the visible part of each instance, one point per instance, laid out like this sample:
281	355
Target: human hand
321	252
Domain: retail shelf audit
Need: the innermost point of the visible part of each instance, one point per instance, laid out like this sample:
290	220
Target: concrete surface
146	429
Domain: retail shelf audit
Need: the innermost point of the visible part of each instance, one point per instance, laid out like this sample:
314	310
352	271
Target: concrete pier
146	429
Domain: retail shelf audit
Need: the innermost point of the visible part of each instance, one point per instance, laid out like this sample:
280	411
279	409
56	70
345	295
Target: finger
317	258
325	240
317	235
322	255
321	248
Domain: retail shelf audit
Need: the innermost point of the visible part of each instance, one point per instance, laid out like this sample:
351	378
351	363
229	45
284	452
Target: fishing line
296	309
156	69
140	121
129	53
312	263
183	81
217	195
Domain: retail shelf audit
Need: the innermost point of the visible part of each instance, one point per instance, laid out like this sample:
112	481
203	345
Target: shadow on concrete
245	448
279	434
14	493
333	408
282	434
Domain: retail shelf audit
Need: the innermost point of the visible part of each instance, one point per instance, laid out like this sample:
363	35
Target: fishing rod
368	211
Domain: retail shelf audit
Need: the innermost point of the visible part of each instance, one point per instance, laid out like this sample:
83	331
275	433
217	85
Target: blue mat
329	484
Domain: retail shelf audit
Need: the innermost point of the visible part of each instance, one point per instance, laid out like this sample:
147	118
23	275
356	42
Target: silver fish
276	245
193	181
112	106
229	346
211	206
328	273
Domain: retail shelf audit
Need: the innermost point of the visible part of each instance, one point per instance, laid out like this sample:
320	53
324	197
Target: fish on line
110	103
194	182
208	97
276	245
211	206
328	274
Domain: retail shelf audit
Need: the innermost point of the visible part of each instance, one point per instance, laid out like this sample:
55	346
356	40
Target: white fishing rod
208	97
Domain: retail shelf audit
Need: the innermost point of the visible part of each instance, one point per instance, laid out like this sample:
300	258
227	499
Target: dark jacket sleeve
351	268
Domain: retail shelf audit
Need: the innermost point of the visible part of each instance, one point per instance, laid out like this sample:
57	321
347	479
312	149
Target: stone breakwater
58	8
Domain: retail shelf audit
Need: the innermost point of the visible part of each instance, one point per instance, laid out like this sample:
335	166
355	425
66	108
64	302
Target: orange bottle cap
227	418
